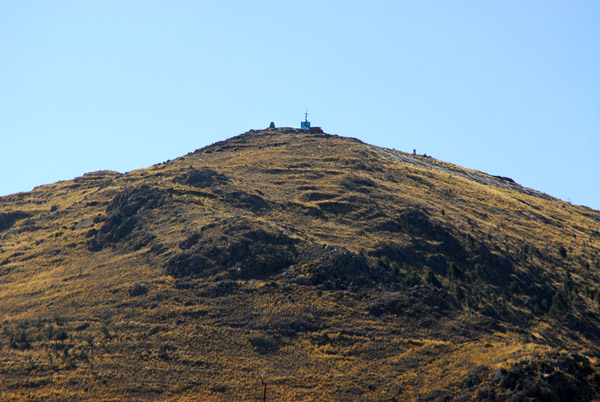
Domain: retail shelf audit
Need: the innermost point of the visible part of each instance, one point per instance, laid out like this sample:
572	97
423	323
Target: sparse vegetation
347	271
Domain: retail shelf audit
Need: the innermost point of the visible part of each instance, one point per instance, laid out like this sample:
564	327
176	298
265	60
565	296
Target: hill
336	269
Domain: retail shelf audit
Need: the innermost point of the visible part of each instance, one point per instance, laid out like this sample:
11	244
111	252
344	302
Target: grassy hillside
335	269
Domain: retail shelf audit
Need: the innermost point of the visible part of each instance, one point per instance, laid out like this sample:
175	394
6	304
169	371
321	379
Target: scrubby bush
560	303
459	294
455	272
562	251
21	340
412	279
62	335
138	290
50	332
431	280
263	344
163	351
106	332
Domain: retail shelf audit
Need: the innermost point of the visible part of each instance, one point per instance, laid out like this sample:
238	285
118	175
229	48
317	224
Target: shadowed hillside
341	270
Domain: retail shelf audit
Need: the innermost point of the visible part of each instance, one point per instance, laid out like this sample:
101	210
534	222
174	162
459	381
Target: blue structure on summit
305	125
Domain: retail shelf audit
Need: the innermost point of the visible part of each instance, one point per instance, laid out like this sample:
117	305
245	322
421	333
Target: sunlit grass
176	342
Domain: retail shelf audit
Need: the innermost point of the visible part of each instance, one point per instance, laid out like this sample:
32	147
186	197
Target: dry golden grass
71	328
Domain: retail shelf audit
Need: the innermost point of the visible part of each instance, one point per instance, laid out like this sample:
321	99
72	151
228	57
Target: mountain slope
341	270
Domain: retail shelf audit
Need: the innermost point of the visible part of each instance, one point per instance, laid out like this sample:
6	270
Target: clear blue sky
511	88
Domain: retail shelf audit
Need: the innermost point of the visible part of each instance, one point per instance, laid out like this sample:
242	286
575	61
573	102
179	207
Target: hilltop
342	270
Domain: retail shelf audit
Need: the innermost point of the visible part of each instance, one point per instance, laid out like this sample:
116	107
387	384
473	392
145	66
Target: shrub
90	340
21	340
431	280
263	344
138	290
568	286
523	253
454	272
390	265
62	335
50	332
412	279
560	303
395	268
562	251
459	294
163	352
105	332
470	240
60	320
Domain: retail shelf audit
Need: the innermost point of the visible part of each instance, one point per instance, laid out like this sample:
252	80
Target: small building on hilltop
305	124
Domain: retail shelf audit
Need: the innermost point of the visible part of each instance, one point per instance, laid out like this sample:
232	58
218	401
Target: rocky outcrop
202	178
556	377
8	219
338	268
245	249
123	214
